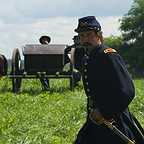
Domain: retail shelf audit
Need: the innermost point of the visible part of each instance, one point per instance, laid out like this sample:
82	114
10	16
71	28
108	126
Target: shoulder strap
109	50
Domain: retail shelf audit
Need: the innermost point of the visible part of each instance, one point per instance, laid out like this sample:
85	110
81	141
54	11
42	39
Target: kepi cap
88	23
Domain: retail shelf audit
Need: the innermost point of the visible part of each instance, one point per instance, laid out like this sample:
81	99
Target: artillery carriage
39	61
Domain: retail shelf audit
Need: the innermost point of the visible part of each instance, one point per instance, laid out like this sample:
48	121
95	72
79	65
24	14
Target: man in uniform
70	50
108	86
45	81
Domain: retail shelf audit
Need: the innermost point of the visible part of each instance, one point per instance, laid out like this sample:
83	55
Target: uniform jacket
109	85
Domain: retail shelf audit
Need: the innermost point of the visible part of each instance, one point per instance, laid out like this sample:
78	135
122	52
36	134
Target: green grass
137	105
38	117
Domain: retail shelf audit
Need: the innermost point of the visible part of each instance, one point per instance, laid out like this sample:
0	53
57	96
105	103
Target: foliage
115	42
132	27
132	23
48	117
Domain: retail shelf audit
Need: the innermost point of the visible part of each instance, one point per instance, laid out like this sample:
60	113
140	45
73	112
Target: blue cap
88	23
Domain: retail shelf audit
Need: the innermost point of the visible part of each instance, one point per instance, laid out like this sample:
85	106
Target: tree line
131	42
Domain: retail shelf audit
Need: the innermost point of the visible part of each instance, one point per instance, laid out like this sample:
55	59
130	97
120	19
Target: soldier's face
89	37
44	41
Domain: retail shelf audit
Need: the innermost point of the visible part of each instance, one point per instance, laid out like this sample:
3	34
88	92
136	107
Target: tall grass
48	117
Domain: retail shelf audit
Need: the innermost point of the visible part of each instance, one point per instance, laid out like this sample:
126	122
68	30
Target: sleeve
78	55
117	89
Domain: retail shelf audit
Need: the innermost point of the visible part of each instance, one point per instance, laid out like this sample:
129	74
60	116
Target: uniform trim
109	50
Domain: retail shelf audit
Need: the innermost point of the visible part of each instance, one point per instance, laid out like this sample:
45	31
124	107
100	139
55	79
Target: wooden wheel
72	78
16	71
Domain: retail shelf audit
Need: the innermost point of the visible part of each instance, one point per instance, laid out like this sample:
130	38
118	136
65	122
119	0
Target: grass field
53	117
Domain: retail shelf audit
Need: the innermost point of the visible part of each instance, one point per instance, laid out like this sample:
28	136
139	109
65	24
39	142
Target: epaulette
109	50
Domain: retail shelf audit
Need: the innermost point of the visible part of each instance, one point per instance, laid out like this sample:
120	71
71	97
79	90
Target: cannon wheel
16	65
71	79
71	69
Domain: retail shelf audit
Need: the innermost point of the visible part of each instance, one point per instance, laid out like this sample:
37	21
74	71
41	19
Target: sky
24	21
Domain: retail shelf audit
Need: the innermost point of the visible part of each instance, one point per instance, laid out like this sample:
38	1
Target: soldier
70	50
45	81
45	40
108	86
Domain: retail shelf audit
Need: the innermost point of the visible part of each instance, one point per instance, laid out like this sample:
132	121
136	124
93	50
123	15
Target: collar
93	49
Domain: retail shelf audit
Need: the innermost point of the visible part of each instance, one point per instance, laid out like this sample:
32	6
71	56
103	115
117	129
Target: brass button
85	76
88	90
85	70
87	57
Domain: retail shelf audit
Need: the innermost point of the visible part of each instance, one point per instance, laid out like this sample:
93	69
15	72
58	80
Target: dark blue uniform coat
108	84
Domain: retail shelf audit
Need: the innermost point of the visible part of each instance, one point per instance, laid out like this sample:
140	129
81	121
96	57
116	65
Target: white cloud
22	11
24	21
61	30
110	25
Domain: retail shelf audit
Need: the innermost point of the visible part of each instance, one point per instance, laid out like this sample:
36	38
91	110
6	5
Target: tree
132	27
117	43
114	42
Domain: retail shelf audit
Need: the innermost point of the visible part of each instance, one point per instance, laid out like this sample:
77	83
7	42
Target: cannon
39	61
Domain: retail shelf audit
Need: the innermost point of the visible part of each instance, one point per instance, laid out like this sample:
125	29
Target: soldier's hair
99	34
